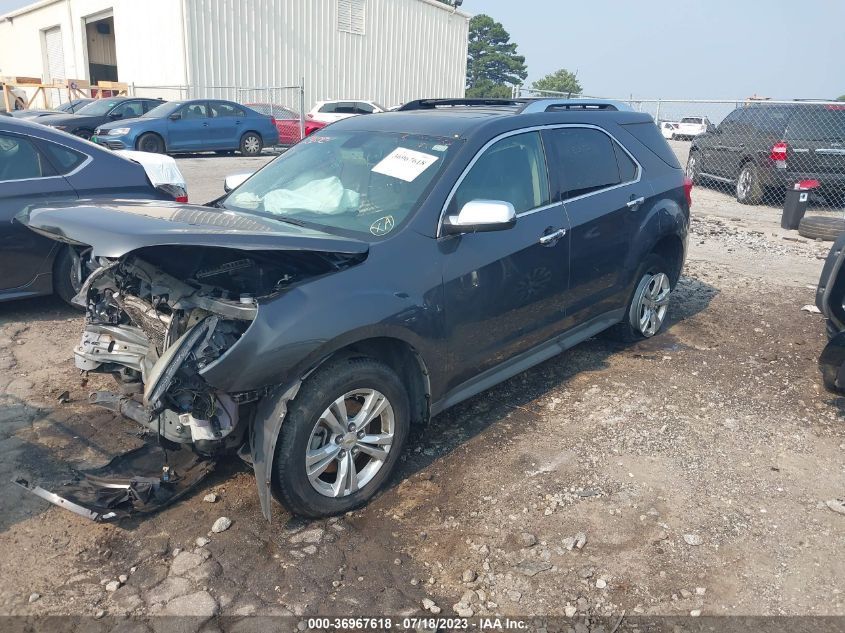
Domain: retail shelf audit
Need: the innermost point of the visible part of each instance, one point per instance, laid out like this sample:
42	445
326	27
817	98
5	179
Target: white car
691	126
331	111
17	97
668	129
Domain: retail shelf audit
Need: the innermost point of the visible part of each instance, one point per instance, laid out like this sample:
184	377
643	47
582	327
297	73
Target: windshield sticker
439	148
383	226
404	164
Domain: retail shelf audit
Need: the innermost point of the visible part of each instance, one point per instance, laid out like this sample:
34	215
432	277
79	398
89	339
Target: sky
682	49
676	49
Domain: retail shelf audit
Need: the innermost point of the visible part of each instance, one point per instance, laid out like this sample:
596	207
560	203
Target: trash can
795	203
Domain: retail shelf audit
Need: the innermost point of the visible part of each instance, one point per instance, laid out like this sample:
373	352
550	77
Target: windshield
98	107
161	110
358	181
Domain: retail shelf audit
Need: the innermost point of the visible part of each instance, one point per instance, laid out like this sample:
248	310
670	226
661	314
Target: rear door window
64	159
345	107
585	159
329	108
21	160
223	109
768	120
511	170
364	108
128	110
818	123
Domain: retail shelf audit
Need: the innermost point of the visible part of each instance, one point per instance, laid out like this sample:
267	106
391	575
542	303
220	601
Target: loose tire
821	228
66	277
251	144
325	464
20	104
649	303
150	142
749	190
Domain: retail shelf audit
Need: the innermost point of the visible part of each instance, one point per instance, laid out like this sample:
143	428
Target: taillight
688	190
273	120
778	152
177	192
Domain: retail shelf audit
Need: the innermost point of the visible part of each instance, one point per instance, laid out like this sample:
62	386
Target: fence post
302	108
657	112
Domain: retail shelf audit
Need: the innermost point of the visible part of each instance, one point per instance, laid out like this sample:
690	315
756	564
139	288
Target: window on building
350	16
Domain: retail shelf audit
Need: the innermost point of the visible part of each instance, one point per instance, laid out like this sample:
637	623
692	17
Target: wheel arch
671	249
402	358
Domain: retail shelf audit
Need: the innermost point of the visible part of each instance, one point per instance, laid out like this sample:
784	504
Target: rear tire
308	441
749	189
251	144
650	297
151	143
821	228
67	281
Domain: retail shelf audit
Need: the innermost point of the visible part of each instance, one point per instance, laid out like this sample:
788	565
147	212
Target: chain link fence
284	103
753	149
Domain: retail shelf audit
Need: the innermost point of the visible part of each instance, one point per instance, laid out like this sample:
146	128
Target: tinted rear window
648	134
823	123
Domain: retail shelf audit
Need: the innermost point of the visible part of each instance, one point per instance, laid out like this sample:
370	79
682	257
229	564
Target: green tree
842	98
486	89
560	81
493	65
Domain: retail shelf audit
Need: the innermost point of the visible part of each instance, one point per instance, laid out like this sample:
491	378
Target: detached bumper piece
139	482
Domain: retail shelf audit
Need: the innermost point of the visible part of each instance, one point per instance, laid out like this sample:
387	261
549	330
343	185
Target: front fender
293	332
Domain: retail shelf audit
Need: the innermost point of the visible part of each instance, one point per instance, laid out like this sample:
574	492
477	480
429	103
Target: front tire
749	189
341	438
251	144
151	143
649	303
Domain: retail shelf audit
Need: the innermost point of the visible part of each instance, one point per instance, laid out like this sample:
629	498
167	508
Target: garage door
55	60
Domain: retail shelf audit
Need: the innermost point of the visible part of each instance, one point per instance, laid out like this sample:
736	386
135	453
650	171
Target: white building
389	51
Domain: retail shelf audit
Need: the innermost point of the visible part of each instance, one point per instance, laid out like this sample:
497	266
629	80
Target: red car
287	122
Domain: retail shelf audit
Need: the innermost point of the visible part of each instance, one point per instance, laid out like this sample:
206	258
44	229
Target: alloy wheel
691	165
743	184
652	303
350	443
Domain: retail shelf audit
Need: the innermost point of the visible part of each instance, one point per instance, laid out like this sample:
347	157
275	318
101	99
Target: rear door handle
635	203
551	238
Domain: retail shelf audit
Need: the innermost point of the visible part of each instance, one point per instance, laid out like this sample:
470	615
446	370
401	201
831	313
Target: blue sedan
197	125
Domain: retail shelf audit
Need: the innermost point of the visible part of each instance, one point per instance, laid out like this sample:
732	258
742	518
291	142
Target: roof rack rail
430	104
556	105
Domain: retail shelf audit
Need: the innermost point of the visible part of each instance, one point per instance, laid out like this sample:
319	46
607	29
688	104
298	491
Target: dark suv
382	270
762	149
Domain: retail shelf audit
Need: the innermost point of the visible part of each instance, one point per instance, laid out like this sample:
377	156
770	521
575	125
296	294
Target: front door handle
634	203
551	238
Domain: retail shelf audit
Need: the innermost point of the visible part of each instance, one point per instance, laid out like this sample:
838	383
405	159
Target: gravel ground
683	474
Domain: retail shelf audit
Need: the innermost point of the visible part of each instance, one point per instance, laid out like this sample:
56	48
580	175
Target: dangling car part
140	481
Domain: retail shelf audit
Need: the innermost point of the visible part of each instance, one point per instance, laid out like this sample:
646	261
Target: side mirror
175	116
234	181
480	216
115	115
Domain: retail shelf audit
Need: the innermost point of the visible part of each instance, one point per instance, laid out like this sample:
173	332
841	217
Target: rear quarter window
64	159
648	134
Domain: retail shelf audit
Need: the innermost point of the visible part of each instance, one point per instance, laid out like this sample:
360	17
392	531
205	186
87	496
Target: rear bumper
785	178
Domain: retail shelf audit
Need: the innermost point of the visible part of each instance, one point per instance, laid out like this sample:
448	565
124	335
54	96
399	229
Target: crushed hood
116	228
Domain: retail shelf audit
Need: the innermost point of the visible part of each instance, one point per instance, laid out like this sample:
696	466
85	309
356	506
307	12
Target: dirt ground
694	465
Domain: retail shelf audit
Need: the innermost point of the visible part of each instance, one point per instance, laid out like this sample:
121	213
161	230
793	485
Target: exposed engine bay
156	318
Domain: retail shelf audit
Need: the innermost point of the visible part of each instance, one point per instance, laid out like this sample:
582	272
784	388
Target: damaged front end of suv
164	305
